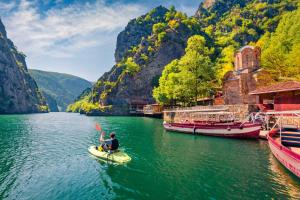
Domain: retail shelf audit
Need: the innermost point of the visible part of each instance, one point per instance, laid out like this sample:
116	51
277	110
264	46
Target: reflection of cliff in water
285	178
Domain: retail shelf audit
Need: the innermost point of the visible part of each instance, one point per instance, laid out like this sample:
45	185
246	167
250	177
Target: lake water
44	156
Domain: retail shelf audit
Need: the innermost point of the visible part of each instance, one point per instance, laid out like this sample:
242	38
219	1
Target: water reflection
289	183
46	157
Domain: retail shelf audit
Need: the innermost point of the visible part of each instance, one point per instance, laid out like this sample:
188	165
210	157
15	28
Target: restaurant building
283	96
153	110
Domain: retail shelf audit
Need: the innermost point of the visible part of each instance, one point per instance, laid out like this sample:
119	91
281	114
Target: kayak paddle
98	127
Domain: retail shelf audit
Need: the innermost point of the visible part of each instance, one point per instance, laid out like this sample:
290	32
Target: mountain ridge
61	87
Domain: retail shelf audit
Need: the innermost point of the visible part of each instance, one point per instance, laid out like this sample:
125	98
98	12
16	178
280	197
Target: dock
263	134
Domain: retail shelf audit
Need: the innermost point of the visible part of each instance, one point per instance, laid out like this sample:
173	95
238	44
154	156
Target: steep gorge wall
129	89
18	90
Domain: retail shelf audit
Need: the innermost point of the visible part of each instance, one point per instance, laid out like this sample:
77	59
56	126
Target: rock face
137	90
137	29
219	7
18	91
51	102
131	91
208	3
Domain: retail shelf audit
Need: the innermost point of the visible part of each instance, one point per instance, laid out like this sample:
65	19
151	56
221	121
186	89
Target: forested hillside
183	58
59	89
281	49
229	26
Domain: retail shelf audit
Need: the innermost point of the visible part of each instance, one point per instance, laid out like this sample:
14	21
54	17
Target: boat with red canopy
220	124
284	142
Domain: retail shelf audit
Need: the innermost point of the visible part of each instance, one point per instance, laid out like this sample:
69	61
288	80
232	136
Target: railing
240	112
197	109
282	118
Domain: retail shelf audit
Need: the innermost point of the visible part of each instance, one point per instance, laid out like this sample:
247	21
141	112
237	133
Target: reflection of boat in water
285	146
220	124
281	176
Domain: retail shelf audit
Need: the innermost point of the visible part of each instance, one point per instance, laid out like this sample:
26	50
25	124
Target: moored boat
231	130
285	146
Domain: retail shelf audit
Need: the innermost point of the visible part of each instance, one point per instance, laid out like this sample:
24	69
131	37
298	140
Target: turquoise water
44	156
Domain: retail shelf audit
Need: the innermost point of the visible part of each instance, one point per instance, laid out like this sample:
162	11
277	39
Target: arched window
247	60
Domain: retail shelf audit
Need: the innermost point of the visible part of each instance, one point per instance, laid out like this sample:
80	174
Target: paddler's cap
112	135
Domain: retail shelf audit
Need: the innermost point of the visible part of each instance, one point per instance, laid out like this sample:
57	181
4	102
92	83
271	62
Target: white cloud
6	7
62	32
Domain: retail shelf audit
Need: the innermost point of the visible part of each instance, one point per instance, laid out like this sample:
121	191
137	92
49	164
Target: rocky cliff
19	92
136	30
51	102
218	7
146	45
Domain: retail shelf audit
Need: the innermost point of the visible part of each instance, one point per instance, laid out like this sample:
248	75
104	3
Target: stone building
238	83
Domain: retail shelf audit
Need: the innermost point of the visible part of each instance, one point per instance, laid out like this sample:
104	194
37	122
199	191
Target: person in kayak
111	144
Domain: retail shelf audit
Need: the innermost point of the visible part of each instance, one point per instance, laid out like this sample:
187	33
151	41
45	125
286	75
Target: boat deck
294	149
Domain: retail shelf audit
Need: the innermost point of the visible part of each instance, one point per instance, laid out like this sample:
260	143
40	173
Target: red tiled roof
279	87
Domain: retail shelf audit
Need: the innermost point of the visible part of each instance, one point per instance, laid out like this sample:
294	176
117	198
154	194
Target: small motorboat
285	146
119	156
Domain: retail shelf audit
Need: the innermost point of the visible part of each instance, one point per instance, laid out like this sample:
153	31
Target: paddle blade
98	127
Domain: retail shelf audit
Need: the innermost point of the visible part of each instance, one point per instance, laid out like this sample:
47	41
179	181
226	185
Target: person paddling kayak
111	144
109	149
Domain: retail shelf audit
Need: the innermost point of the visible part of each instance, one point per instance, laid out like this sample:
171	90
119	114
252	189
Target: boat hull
251	131
284	155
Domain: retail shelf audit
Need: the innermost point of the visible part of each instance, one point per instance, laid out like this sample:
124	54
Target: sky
75	36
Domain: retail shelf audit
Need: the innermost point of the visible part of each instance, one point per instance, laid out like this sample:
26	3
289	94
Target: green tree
165	92
280	55
225	62
190	77
197	67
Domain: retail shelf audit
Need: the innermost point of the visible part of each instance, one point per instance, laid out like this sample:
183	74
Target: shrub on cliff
131	67
83	106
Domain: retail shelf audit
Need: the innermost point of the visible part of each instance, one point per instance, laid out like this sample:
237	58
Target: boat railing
197	109
253	117
279	117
